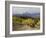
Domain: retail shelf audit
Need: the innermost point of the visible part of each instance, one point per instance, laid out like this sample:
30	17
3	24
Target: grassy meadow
20	23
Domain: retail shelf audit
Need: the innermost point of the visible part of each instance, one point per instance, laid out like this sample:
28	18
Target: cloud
21	10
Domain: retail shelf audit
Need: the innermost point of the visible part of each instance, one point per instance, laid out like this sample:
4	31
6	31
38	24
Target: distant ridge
33	15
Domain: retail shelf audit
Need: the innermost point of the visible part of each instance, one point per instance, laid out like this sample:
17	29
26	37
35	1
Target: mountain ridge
28	15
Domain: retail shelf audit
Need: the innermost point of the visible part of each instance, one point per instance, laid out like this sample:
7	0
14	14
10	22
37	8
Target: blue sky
21	10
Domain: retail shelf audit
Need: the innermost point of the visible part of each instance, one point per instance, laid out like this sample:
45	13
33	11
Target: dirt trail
22	27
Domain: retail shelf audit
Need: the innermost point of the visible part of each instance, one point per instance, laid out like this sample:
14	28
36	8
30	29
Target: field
24	23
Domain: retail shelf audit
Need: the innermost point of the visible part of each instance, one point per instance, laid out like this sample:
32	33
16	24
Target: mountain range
34	15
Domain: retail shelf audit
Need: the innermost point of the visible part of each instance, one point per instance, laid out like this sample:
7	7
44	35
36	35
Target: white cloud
21	10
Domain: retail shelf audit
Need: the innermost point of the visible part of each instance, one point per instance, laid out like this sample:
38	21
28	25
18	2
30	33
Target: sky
21	10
